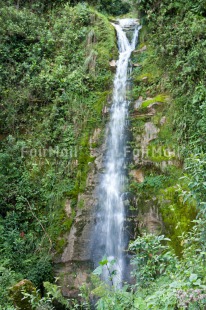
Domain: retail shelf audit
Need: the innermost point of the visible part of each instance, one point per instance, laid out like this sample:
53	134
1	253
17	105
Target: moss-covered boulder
17	294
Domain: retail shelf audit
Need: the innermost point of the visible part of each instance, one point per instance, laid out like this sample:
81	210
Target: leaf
98	271
140	304
113	262
198	282
193	277
104	261
114	272
175	284
2	269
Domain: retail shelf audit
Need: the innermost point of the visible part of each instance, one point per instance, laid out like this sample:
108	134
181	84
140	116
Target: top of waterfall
128	22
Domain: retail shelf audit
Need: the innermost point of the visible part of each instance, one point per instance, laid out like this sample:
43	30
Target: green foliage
116	300
54	292
114	7
196	165
154	182
7	279
109	265
183	6
53	296
159	98
163	280
151	259
41	270
181	56
51	103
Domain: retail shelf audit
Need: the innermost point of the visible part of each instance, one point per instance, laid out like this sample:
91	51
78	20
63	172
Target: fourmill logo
64	153
155	152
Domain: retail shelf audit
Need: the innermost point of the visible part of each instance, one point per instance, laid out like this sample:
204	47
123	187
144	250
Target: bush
152	258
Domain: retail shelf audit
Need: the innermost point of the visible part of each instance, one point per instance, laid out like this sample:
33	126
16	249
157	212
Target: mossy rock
17	294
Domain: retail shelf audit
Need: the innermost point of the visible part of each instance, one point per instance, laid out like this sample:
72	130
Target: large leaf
98	271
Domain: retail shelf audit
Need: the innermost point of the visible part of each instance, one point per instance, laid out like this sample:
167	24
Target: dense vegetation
55	82
114	7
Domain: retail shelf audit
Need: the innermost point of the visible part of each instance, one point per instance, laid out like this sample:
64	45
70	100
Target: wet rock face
72	275
151	132
74	266
151	221
78	240
148	217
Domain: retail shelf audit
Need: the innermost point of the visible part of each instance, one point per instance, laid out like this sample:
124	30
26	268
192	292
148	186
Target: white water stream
111	240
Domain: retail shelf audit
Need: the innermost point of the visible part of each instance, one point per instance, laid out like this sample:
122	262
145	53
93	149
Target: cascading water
109	232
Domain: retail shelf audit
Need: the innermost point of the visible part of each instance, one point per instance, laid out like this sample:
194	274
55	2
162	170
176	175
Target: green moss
159	98
67	223
102	100
160	153
149	71
17	294
143	36
60	224
157	118
146	77
60	245
81	204
177	216
160	190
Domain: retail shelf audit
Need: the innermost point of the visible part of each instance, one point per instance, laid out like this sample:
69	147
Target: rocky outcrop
148	156
74	265
151	221
150	133
141	50
138	103
113	65
137	175
136	65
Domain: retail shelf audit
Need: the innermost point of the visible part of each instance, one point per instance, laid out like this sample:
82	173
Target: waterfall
109	238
